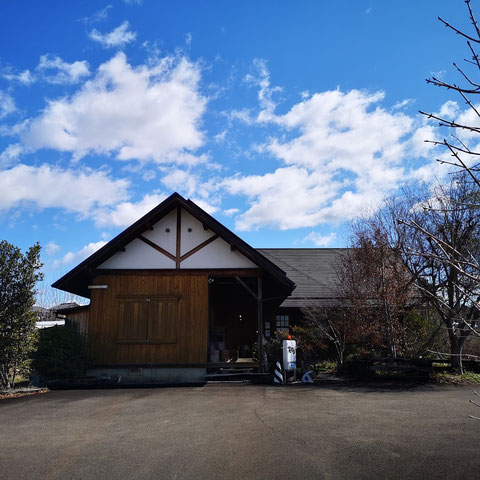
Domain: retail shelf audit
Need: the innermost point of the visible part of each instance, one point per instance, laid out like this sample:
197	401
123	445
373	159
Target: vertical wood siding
80	320
186	321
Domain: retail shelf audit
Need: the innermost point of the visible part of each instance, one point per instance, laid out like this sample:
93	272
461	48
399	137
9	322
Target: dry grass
21	393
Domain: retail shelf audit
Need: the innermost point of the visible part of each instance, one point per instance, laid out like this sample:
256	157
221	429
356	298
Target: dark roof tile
314	271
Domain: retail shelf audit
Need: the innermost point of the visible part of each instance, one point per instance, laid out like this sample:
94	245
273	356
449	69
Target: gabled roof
64	306
76	281
314	271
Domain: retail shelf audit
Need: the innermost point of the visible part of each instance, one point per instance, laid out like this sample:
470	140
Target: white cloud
231	211
290	197
438	74
62	72
449	110
403	104
10	154
190	185
320	240
73	258
51	248
467	117
98	16
419	146
25	77
145	113
7	104
126	213
118	37
342	151
186	183
182	181
220	137
52	69
243	115
209	207
266	92
47	186
342	130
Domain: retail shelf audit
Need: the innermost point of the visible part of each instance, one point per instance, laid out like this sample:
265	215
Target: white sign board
289	354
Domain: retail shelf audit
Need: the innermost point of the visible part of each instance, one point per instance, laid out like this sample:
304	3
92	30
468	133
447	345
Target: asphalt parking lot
235	431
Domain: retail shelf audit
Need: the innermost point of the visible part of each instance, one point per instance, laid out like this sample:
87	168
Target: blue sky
285	120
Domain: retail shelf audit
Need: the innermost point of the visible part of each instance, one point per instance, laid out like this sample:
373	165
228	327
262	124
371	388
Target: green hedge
61	354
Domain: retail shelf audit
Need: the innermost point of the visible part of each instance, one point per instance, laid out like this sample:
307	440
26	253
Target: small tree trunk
14	375
456	351
456	362
5	381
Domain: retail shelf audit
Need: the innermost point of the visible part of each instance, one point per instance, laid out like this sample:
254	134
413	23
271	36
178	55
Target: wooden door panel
163	322
132	322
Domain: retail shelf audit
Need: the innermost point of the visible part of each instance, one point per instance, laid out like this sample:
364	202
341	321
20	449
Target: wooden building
175	294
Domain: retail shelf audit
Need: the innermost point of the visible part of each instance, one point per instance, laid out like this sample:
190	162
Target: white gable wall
159	235
217	254
198	235
139	255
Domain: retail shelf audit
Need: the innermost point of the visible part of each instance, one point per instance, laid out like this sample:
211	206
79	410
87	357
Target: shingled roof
314	271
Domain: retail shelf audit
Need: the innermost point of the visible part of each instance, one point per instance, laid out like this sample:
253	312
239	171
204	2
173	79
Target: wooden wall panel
80	320
191	323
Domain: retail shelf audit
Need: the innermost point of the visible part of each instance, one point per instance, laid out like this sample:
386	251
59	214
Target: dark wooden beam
261	361
198	247
246	287
225	272
179	237
228	272
157	247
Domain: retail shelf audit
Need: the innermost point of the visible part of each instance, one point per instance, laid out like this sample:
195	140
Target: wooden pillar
261	365
179	238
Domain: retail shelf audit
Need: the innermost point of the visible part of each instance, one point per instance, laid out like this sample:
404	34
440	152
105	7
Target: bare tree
457	144
446	250
331	324
441	247
439	244
374	292
49	297
379	287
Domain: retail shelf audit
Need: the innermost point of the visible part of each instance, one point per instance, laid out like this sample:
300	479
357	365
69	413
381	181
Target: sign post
289	356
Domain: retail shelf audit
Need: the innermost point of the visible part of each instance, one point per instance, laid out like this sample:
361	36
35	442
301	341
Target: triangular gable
199	247
153	242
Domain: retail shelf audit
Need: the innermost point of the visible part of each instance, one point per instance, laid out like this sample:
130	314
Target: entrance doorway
233	334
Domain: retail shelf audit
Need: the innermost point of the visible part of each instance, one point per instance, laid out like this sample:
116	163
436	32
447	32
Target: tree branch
458	32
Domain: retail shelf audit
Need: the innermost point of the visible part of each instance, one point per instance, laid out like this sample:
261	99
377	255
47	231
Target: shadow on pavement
372	385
